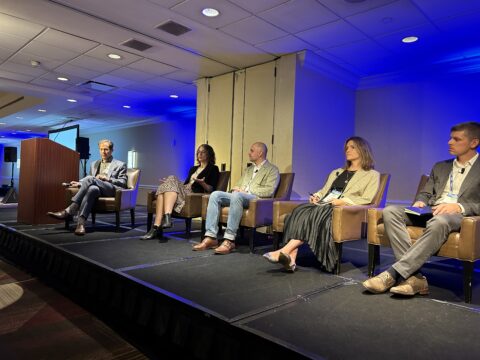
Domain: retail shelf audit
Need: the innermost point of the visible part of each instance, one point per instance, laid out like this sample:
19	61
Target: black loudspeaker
10	197
82	146
10	154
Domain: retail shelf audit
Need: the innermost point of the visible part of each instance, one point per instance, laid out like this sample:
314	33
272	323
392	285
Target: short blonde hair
365	151
110	143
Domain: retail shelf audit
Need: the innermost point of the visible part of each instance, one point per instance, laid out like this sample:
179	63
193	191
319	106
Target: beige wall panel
259	106
238	151
219	125
284	113
202	106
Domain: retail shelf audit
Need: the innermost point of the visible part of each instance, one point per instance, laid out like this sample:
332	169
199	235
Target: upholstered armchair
349	223
124	199
259	212
463	245
192	207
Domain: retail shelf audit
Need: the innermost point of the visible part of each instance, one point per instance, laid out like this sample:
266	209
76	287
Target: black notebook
419	211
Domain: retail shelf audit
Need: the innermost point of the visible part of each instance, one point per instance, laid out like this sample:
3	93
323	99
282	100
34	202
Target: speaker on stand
10	155
82	145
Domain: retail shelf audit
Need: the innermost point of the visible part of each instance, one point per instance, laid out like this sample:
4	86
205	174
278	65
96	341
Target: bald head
258	152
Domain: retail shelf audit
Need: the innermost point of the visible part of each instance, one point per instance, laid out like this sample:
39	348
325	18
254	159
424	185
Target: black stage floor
309	314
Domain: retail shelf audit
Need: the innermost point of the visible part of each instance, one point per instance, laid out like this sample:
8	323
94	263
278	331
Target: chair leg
117	220
339	247
149	221
467	280
132	217
188	227
67	224
93	218
203	229
373	258
251	241
242	232
277	238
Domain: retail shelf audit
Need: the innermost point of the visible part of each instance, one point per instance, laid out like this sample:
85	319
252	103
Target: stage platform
204	306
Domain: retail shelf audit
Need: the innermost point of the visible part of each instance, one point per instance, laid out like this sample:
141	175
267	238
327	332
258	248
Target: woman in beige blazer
355	184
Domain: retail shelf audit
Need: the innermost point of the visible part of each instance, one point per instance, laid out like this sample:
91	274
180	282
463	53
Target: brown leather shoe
226	248
413	285
380	283
80	230
60	215
207	243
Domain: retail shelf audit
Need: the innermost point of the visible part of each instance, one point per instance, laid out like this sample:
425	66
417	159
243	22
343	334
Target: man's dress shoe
207	243
60	215
226	248
80	230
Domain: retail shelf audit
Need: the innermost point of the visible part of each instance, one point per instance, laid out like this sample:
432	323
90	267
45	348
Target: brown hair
365	151
471	129
210	153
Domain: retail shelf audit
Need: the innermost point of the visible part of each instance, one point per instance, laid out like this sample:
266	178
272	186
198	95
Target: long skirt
173	184
313	224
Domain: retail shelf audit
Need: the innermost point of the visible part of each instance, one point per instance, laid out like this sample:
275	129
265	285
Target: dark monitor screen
66	136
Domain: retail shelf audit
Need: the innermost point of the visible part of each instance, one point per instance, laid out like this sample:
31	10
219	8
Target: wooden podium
44	166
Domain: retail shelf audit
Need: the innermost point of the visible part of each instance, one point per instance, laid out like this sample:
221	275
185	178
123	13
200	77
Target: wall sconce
132	159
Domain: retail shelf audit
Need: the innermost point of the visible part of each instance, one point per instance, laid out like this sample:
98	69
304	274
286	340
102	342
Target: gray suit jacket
469	195
265	182
117	172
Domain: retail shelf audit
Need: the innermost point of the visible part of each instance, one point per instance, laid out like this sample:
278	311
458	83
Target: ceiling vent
136	44
173	28
93	85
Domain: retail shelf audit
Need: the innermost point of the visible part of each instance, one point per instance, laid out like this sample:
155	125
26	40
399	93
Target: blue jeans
237	201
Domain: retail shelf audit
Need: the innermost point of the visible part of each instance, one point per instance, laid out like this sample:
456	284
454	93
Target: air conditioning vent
173	28
136	44
93	85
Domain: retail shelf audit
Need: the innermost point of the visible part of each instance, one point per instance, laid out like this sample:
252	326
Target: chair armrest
125	199
259	213
469	248
205	198
349	222
281	208
374	218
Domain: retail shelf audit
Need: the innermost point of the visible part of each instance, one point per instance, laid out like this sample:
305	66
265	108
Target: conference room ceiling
41	40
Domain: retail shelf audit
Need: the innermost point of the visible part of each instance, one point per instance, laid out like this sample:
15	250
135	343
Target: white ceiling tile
129	93
166	3
12	42
50	84
253	30
182	75
333	34
66	41
388	18
52	76
37	48
256	6
132	74
428	35
298	15
285	45
101	52
22	69
229	12
345	8
81	72
18	27
151	66
88	62
113	80
439	9
164	83
5	53
15	76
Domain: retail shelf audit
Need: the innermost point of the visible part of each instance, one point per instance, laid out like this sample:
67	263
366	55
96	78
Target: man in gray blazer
452	191
258	181
106	175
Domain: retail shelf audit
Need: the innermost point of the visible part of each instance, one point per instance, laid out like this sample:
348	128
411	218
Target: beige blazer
360	190
265	182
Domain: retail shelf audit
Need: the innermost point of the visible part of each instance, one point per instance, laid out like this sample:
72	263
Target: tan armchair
192	207
463	245
259	212
124	199
348	222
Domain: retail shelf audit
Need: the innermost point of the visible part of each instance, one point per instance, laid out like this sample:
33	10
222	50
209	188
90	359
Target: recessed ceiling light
2	123
173	96
14	133
72	100
42	110
28	130
18	117
409	39
126	106
62	78
114	56
210	12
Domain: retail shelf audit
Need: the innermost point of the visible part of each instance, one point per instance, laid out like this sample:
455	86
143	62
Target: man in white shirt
453	191
258	181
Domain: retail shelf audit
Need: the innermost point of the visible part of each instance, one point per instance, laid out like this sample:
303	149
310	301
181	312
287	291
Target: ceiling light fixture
42	110
126	106
2	123
409	39
173	96
18	117
34	63
72	100
210	12
114	56
62	78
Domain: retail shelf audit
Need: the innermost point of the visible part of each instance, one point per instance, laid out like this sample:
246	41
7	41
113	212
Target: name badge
451	198
334	194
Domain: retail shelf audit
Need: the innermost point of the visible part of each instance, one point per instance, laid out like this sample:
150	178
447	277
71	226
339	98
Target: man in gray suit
106	175
258	181
453	191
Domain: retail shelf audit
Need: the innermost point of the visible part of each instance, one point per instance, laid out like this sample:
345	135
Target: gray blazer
117	172
265	182
469	195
